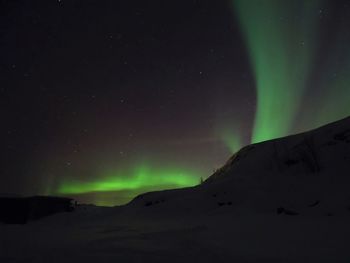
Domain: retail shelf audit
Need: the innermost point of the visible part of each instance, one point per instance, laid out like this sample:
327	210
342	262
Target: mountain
307	173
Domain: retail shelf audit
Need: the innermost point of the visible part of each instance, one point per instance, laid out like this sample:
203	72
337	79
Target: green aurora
282	55
333	84
281	49
231	138
142	177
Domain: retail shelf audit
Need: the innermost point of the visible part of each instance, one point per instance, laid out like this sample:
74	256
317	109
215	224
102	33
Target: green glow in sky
231	139
334	83
280	39
142	177
281	49
338	104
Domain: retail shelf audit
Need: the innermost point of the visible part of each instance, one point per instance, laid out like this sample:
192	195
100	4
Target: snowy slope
307	173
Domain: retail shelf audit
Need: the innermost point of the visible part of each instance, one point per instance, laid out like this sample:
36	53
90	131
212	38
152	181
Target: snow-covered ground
227	237
285	200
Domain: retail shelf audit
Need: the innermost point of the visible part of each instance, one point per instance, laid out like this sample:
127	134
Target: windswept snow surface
285	200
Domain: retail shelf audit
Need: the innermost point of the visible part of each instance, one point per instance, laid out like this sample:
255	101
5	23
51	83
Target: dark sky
100	100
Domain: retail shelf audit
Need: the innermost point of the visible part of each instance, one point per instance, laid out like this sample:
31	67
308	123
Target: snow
231	217
216	238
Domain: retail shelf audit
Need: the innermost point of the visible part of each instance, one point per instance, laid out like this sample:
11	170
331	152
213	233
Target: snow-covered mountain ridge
307	173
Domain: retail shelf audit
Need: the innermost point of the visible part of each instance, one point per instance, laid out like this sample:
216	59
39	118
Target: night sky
103	100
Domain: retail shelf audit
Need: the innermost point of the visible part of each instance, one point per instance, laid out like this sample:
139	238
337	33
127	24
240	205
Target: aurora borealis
280	38
104	100
142	177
